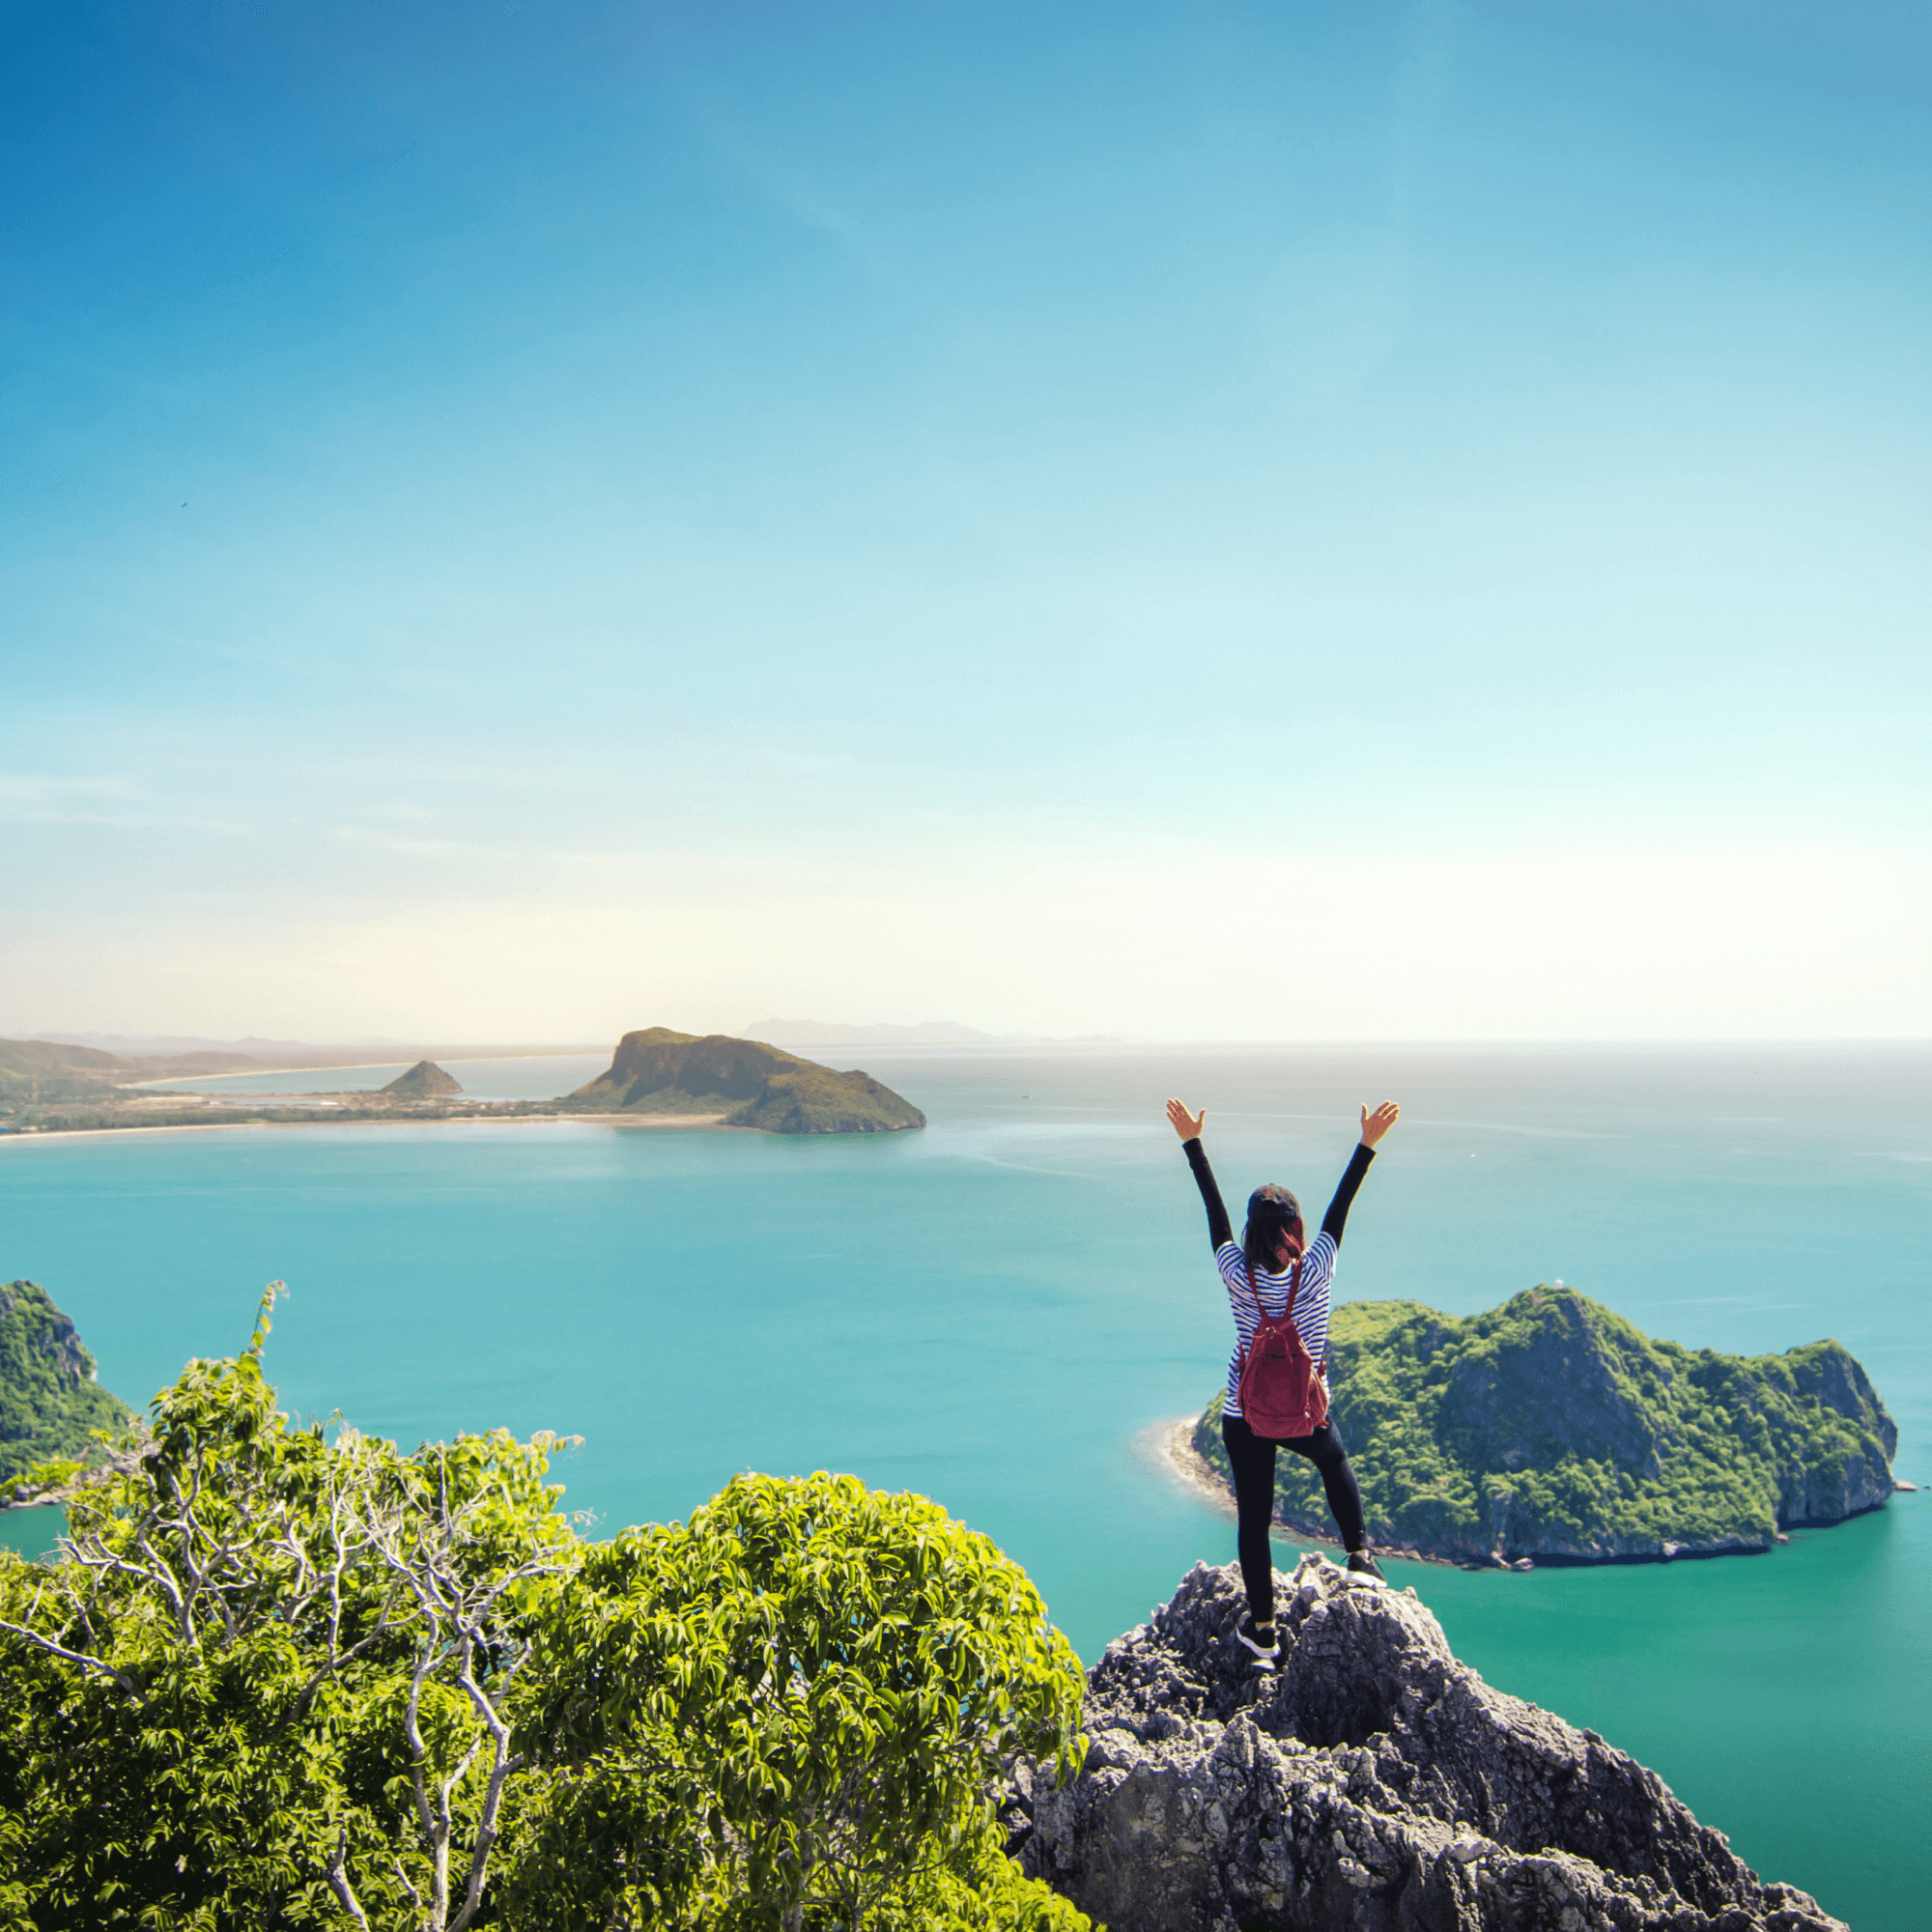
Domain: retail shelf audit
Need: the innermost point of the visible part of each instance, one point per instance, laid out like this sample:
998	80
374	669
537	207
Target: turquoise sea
1002	1312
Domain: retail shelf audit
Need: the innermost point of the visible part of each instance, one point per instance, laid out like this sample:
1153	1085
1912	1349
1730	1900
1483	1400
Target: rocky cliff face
1373	1784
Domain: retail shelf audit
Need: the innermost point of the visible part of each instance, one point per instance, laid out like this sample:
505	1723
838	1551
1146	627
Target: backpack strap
1261	1313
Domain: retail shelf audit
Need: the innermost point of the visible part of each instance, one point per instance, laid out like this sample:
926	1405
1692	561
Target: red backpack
1282	1393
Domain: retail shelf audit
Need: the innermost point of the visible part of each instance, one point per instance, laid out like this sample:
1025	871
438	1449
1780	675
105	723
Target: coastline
1174	1446
171	1082
705	1123
1170	1445
405	1057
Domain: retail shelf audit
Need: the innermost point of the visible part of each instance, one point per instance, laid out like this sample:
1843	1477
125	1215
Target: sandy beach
1171	1444
707	1122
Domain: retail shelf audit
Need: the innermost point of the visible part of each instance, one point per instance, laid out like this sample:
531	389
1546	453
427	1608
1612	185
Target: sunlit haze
1198	520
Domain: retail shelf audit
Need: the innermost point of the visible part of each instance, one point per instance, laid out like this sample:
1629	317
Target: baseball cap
1273	1202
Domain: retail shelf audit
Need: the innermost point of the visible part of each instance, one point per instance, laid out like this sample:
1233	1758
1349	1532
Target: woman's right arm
1188	1126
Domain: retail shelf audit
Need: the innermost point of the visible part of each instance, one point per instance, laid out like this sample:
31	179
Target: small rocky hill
1550	1428
425	1081
751	1085
49	1399
1372	1784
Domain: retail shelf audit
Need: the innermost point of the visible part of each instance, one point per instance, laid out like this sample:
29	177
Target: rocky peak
1374	1783
1556	1374
425	1081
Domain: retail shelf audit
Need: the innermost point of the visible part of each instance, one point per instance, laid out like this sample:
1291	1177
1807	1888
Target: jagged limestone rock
1373	1784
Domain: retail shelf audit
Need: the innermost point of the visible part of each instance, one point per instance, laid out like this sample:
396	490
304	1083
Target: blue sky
1202	519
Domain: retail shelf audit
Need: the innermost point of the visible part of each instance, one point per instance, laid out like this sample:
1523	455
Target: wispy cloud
104	800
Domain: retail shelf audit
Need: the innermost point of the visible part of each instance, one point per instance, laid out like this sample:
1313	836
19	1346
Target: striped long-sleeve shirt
1268	1291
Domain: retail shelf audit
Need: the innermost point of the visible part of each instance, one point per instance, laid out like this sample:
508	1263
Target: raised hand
1187	1125
1374	1125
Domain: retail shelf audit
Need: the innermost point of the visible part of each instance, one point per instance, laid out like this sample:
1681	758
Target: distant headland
740	1083
657	1077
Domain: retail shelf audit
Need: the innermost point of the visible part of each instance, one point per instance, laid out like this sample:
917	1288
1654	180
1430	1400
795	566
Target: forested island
1551	1430
657	1077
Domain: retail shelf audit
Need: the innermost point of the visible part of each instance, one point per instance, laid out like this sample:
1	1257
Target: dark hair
1258	1238
1272	1210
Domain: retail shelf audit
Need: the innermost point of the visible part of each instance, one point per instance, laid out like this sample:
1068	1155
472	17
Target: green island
743	1083
655	1074
51	1405
288	1674
1550	1430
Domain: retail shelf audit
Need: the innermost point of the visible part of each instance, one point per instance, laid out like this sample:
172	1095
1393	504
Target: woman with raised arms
1274	1265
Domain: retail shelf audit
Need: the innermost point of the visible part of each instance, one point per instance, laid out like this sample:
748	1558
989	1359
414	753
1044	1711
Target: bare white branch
76	1657
338	1881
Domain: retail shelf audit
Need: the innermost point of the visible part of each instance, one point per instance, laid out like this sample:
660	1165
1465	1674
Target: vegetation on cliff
1551	1427
752	1085
51	1405
290	1675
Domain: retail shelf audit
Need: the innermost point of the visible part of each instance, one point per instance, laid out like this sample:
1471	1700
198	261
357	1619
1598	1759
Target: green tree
289	1676
268	1661
822	1680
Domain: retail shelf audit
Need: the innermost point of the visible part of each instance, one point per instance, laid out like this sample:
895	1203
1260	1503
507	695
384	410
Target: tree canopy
289	1675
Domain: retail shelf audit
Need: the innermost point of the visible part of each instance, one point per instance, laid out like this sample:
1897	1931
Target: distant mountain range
923	1032
53	1070
254	1051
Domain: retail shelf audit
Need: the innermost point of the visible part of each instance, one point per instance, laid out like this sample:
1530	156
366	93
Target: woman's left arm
1373	1127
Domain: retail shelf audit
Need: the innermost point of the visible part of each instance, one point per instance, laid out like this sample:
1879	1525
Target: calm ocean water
999	1312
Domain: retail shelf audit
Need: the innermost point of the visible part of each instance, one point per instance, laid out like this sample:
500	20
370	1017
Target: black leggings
1251	1457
